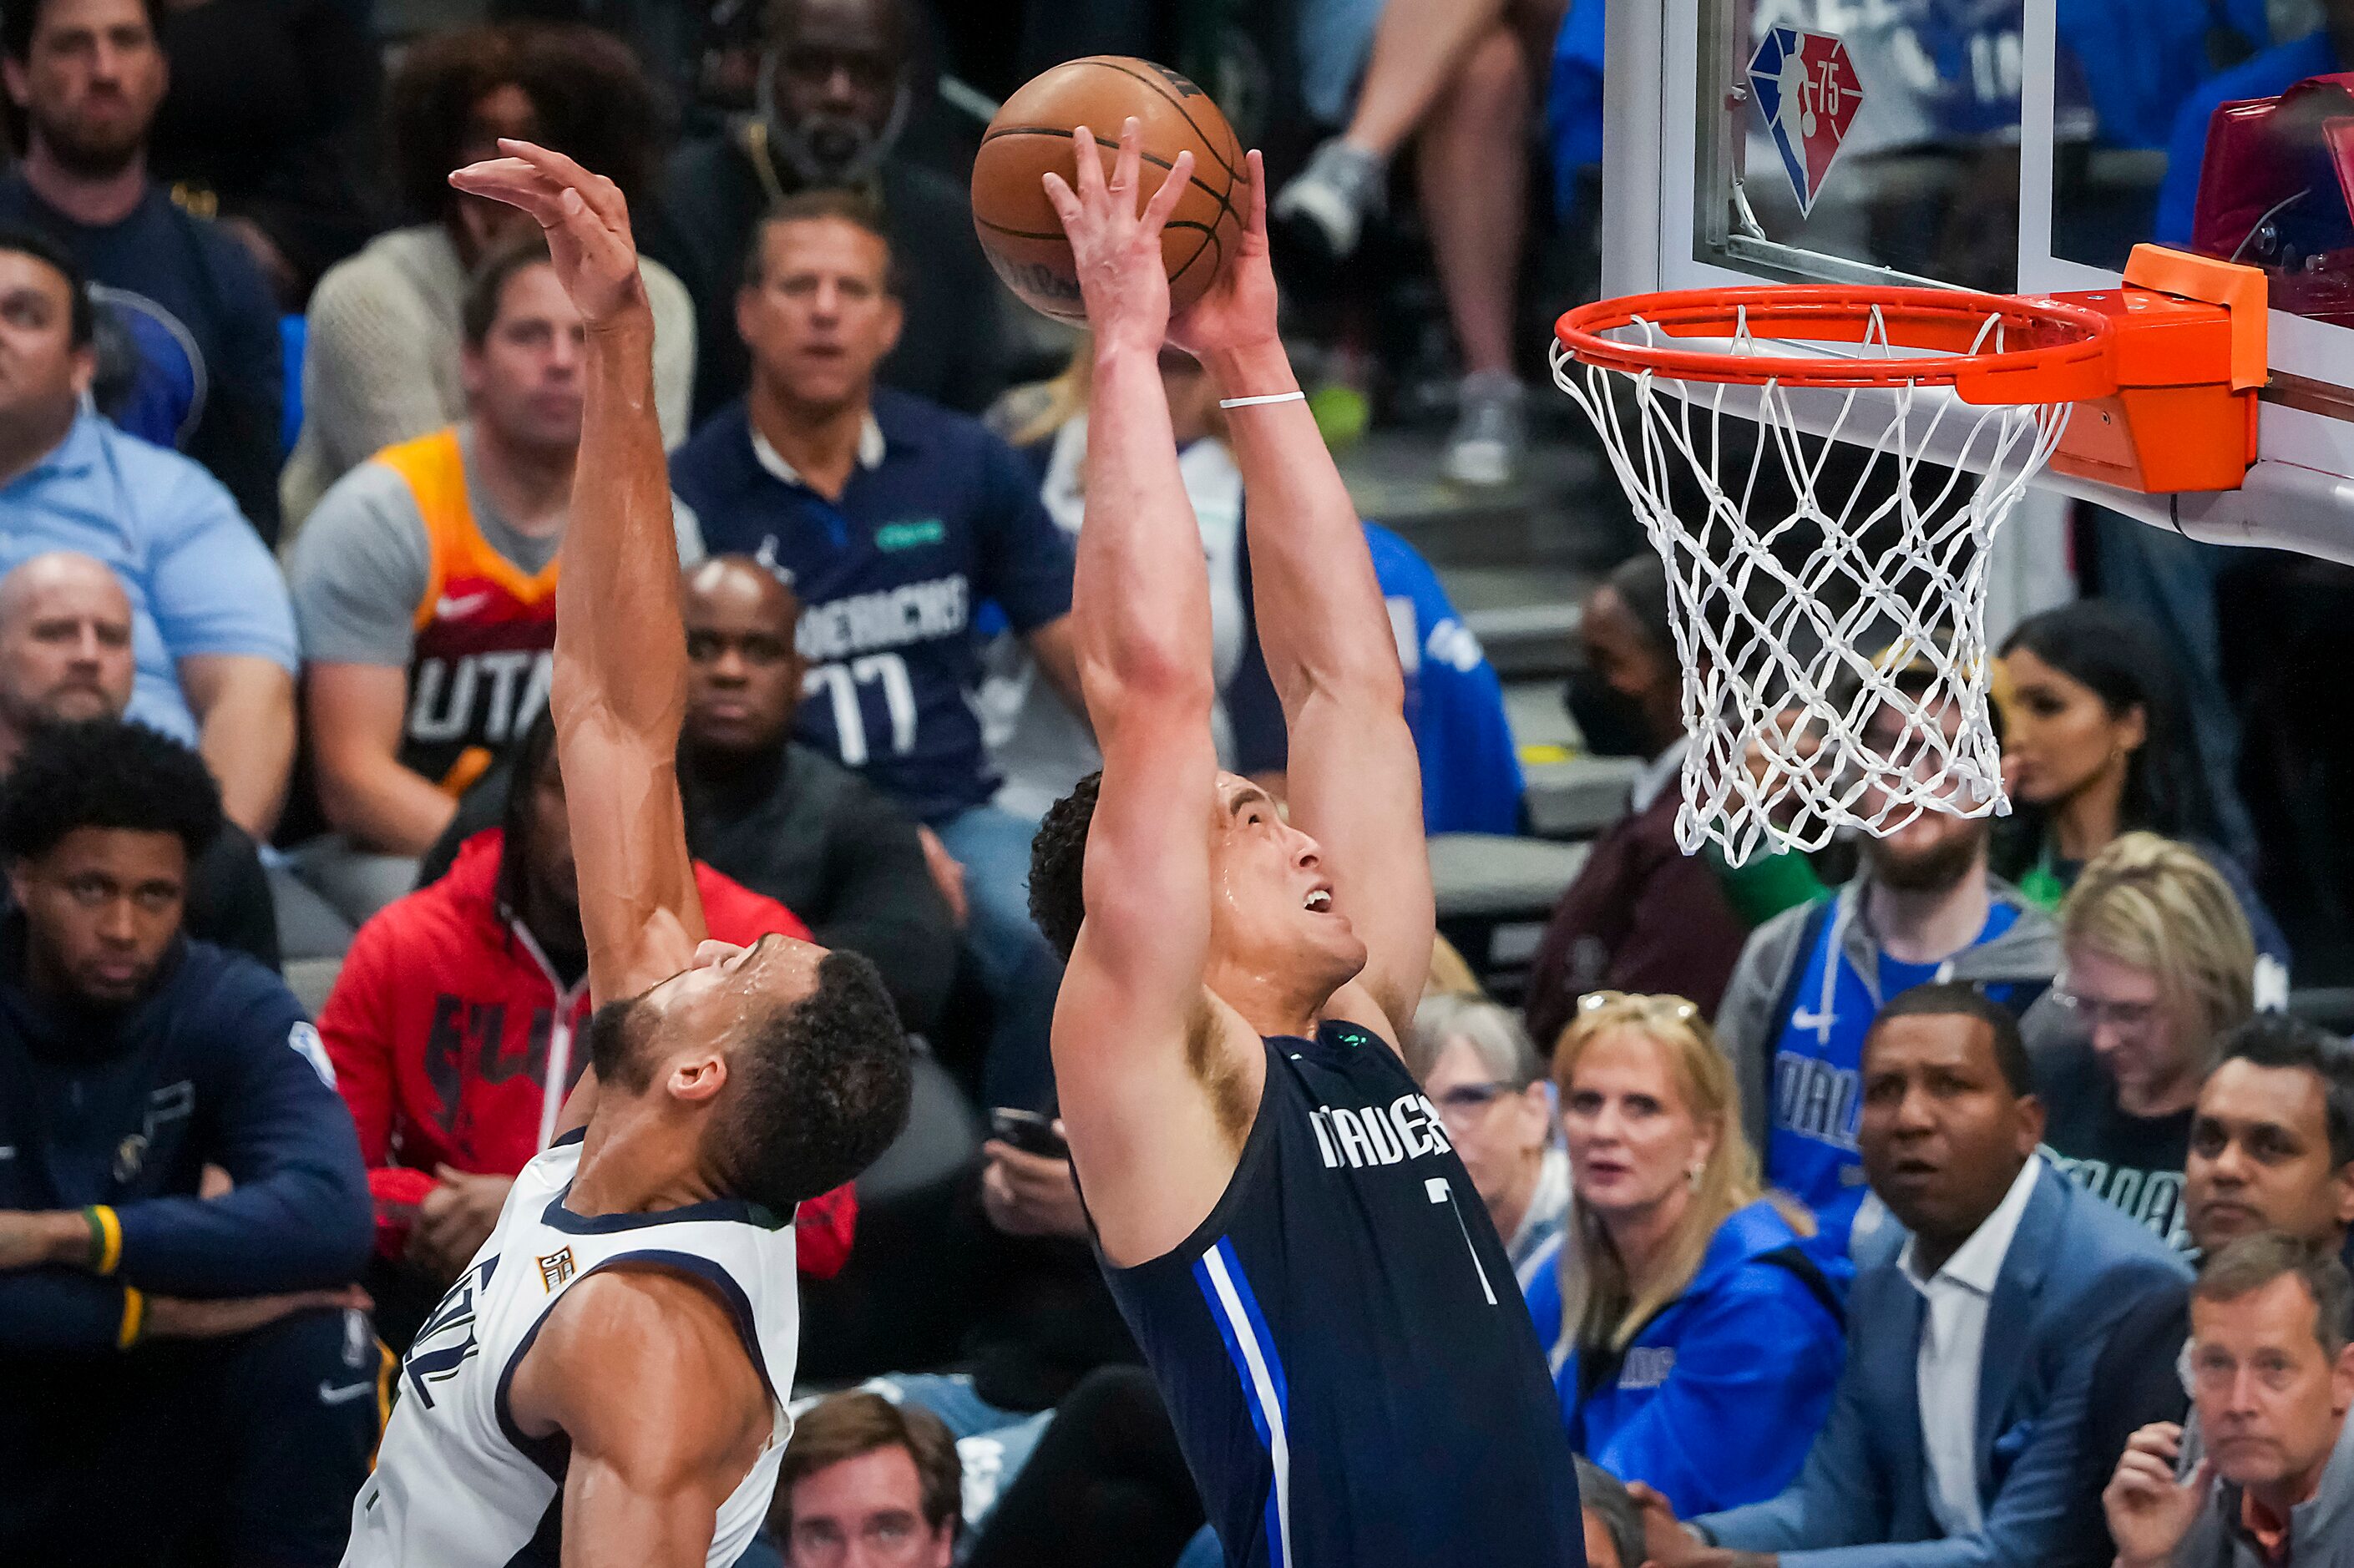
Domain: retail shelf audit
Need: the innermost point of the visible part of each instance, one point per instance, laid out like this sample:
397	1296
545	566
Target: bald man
66	655
780	818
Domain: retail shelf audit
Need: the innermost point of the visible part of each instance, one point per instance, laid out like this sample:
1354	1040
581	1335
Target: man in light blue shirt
212	629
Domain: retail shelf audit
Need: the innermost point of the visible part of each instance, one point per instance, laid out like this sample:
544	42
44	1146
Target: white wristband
1293	396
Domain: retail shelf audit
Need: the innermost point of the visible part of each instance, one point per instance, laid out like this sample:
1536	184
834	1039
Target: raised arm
1142	1132
619	687
1354	781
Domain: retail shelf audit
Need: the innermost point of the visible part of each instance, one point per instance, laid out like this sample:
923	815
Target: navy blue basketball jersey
1354	1379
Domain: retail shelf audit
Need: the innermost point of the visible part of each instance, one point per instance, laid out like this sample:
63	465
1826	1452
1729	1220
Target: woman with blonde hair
2157	963
1695	1340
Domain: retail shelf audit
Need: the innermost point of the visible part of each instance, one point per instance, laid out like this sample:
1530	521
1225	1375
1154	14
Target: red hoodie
447	1028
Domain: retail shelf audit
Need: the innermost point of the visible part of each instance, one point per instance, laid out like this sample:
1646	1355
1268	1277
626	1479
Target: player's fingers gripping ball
1031	137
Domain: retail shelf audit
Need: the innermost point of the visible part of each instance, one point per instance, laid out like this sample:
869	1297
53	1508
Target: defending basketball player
1330	1315
605	1380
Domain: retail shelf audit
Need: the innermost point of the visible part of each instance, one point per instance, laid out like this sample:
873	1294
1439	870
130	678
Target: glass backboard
2015	146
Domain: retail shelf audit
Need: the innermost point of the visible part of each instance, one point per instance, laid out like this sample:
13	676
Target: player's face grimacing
1271	900
703	999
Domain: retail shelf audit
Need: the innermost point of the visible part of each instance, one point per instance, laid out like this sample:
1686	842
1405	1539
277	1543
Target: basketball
1030	137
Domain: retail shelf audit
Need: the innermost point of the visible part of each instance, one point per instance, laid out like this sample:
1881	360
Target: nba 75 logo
447	1341
556	1268
1807	89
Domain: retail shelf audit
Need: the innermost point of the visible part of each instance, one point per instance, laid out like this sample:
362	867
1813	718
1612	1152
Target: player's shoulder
642	1358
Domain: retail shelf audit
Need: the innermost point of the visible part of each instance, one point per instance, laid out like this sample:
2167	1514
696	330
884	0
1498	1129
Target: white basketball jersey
457	1484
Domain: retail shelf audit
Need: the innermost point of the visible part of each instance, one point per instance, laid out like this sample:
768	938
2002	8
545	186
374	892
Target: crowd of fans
1958	1196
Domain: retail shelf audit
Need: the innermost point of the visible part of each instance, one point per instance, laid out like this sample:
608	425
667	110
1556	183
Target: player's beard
616	1039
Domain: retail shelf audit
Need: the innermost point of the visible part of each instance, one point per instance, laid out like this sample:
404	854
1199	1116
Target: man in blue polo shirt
212	631
892	519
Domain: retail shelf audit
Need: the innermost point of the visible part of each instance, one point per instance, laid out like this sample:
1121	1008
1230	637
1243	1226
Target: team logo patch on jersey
556	1268
910	533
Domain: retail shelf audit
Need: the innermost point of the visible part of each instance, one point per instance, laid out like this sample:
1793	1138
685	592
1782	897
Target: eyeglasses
821	1543
2095	1011
1465	1098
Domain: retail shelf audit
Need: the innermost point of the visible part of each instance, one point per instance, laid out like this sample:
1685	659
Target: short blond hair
2157	905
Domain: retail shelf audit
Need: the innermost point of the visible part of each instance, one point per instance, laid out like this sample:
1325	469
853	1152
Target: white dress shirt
1953	1336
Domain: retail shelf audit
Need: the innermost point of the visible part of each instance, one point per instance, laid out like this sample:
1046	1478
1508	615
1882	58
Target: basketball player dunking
605	1380
1330	1316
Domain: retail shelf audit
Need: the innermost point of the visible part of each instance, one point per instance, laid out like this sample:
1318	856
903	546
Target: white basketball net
1834	654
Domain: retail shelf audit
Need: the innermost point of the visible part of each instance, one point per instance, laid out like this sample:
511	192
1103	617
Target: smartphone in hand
1028	1131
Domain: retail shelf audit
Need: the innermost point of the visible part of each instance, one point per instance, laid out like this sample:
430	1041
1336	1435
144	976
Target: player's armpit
643	1370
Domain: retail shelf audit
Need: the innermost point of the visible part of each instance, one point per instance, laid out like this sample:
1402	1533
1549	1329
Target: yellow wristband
106	1238
134	1318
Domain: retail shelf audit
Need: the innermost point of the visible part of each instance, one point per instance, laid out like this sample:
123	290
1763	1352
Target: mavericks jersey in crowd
485	631
457	1484
1353	1376
1811	1150
937	518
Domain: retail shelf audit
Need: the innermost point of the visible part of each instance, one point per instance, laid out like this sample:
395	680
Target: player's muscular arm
619	687
1143	1133
644	1374
1355	783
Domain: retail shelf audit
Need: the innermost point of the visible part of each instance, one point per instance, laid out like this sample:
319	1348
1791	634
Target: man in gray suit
1952	1441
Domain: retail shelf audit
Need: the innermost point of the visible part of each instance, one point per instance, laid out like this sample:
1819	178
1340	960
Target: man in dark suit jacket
1953	1439
1642	916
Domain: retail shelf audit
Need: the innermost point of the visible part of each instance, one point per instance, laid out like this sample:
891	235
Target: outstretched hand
585	218
1115	249
1238	310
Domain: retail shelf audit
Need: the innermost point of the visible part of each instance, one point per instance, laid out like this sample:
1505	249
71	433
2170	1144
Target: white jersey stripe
1278	1440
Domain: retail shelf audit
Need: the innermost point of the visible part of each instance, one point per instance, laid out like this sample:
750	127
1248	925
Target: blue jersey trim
1251	1347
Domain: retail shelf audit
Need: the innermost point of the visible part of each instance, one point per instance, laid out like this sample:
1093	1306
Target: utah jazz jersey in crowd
1353	1376
485	631
457	1484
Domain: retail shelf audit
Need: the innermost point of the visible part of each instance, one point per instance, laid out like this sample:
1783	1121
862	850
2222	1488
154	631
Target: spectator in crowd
458	1025
266	126
1642	916
426	588
1694	1344
2271	1376
867	1481
212	634
894	518
1477	1067
383	358
834	94
1471	771
66	656
1957	1424
2098	742
1923	907
2157	970
1458	78
785	820
2271	1149
189	1376
202	366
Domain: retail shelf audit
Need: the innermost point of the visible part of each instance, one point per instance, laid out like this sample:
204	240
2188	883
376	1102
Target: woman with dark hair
381	361
2097	743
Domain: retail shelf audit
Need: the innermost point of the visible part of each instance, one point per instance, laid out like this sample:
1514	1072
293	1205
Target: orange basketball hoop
1962	398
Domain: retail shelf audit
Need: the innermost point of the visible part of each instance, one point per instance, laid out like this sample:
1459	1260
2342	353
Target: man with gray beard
1923	907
